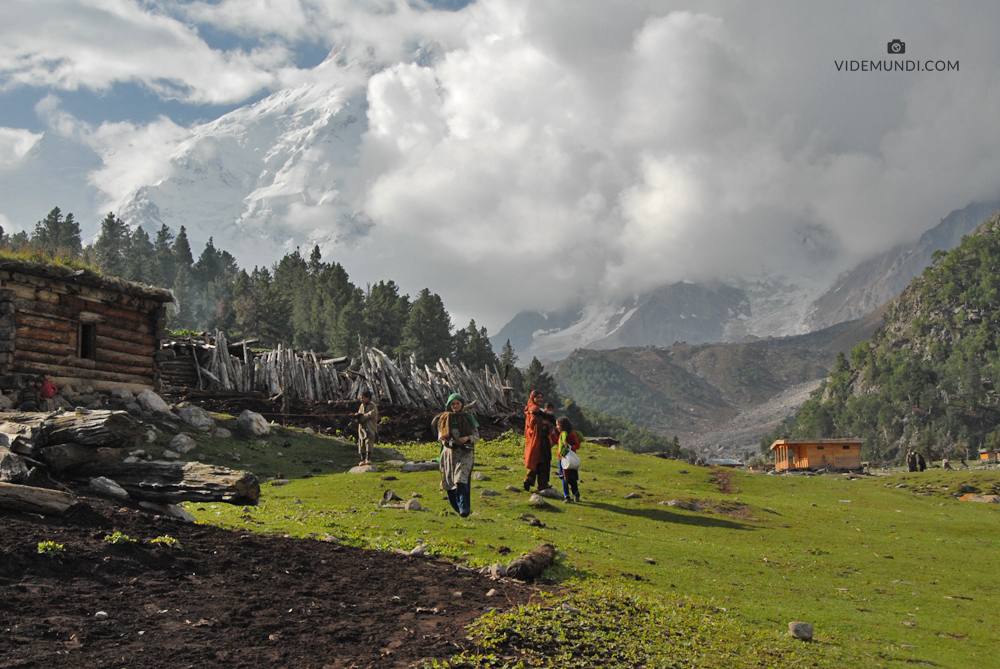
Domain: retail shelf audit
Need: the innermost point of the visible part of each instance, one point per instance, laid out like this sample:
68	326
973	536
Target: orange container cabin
987	455
817	454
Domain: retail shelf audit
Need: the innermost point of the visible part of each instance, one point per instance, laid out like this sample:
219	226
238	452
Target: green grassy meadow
889	576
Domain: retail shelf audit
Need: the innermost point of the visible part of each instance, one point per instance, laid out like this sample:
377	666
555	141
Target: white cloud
66	45
14	143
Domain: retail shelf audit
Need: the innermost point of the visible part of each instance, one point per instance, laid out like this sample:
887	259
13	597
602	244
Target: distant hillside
927	379
686	389
876	281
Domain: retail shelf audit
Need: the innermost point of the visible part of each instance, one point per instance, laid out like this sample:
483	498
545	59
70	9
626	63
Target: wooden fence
304	375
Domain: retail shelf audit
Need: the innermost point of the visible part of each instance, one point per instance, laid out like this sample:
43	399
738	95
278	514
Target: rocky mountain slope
265	177
879	279
688	389
767	305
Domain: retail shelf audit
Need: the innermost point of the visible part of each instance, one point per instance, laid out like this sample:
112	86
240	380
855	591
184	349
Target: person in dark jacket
28	400
921	463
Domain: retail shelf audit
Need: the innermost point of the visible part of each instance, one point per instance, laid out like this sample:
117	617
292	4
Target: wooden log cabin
80	327
791	455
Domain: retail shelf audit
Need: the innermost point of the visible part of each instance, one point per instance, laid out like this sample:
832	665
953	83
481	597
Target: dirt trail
224	598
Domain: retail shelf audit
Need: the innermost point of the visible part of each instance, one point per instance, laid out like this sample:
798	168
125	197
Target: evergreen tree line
928	379
302	302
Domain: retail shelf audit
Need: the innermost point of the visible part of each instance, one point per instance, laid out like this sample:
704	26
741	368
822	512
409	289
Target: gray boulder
175	511
551	493
222	433
800	630
108	488
152	402
489	493
12	467
182	443
412	505
123	394
538	500
197	417
364	469
252	424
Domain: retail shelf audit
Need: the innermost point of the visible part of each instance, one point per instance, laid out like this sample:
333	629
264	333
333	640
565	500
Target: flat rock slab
421	467
171	482
551	493
364	469
37	500
489	493
989	499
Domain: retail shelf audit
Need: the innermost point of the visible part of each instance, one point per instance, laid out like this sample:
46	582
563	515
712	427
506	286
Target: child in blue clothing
568	441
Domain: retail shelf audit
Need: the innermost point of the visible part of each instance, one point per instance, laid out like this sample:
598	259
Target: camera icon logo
897	47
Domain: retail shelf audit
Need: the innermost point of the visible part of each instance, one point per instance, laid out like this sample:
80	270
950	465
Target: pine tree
537	379
163	270
511	374
108	251
386	313
138	257
473	347
349	325
427	333
55	234
187	317
182	251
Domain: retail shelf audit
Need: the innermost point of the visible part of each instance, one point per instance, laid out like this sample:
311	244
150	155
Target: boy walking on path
367	417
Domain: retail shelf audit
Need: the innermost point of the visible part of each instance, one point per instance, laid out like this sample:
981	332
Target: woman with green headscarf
458	433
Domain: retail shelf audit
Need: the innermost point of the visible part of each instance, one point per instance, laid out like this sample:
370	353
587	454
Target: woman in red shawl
537	446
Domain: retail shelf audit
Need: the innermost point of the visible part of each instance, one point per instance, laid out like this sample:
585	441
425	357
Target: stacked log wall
40	321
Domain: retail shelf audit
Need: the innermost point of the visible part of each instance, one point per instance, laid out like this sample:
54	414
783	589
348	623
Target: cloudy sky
520	154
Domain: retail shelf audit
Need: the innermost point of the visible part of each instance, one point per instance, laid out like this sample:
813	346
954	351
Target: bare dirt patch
723	480
224	598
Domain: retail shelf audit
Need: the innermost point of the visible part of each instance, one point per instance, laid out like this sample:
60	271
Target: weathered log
46	323
64	456
37	500
44	334
173	482
97	428
530	566
110	343
42	363
125	360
